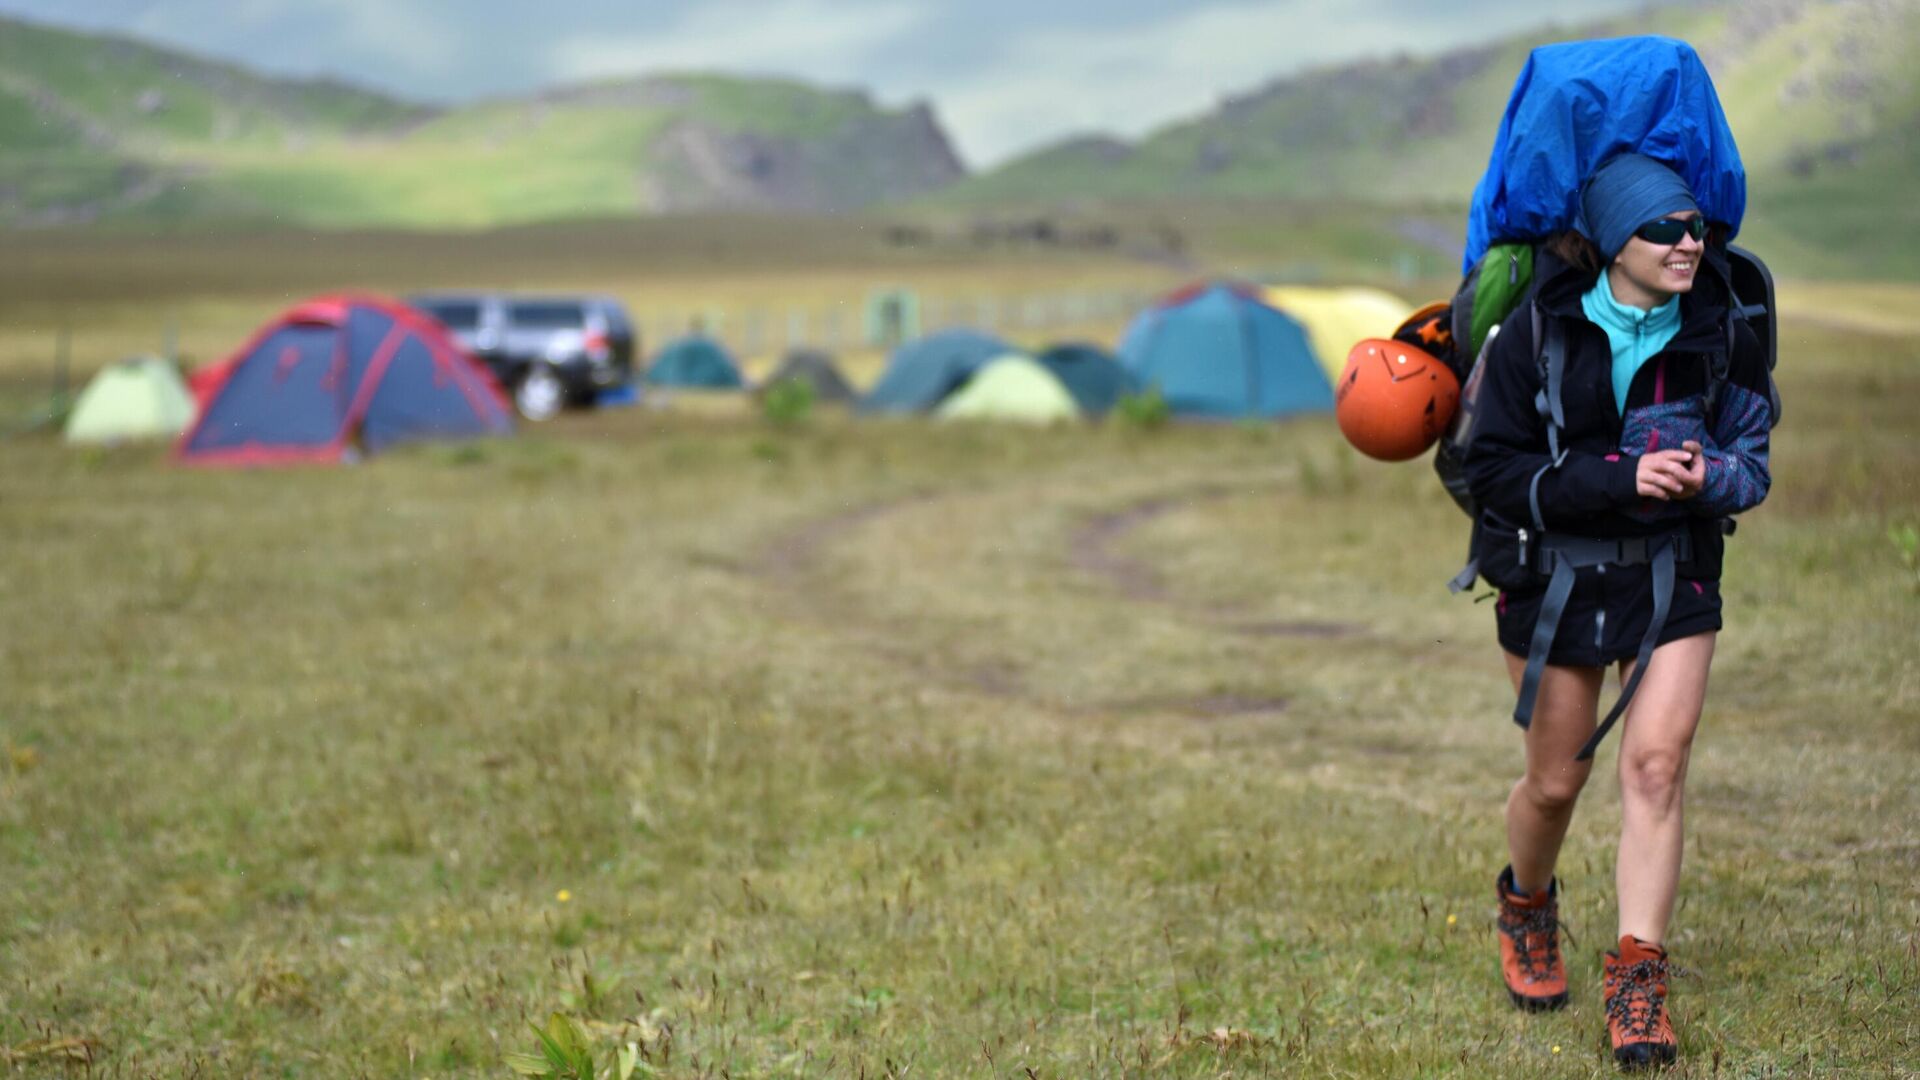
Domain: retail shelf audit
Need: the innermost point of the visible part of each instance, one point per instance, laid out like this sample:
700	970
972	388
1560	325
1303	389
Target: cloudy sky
1004	75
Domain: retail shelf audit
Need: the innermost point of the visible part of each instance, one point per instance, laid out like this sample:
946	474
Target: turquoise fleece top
1634	334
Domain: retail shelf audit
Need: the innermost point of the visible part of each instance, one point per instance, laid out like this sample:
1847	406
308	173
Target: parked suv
548	351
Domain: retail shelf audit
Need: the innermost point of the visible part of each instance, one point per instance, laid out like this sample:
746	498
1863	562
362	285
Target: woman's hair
1576	251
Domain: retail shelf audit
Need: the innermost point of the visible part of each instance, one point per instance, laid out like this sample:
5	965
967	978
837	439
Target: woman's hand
1696	477
1670	474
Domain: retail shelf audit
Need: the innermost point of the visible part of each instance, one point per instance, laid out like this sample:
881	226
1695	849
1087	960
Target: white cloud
823	40
391	31
1129	80
398	32
1124	80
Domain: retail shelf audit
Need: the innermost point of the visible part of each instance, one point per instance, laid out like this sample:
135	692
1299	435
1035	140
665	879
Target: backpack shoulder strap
1550	352
1720	364
1750	302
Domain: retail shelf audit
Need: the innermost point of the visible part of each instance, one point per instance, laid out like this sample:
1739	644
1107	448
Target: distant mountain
96	127
1823	96
1808	85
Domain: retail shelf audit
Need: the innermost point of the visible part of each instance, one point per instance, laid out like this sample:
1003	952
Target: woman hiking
1604	524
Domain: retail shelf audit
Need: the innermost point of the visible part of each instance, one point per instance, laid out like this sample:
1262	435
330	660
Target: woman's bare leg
1655	743
1541	806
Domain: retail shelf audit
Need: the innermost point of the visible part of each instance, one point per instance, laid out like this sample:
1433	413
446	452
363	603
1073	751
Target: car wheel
539	395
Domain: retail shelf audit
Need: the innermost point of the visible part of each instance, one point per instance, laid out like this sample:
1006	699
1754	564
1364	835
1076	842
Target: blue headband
1626	193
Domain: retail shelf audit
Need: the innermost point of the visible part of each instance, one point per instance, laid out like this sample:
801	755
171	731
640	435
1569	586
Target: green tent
1011	388
142	398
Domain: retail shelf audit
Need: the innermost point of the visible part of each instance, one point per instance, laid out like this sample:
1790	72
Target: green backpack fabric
1499	282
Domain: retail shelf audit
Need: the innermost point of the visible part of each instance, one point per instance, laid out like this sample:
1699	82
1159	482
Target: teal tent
921	373
697	363
1091	374
1218	351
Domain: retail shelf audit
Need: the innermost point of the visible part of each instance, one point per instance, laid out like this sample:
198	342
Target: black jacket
1593	492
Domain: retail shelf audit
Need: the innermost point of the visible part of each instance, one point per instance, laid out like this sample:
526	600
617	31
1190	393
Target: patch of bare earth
1095	552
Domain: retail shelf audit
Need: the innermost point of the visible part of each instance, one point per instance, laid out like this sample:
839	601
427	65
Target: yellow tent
1011	388
1336	318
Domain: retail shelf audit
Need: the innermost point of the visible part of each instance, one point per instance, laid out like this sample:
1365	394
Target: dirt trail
1094	552
789	559
791	554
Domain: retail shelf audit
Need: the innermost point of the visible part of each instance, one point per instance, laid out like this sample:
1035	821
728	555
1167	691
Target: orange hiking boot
1530	946
1636	993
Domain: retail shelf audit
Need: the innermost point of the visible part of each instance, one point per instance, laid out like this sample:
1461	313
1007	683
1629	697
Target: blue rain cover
1578	104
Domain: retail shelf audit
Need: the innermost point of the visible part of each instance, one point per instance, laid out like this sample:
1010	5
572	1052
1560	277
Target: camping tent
1219	351
816	370
921	373
1091	374
696	363
336	372
1337	318
1012	387
142	398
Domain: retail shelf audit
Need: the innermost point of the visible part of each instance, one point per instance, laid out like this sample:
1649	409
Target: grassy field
889	749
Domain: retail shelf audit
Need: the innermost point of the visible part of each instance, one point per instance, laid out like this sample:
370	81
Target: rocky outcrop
867	159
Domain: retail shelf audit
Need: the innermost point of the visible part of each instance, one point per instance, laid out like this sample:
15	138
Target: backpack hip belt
1561	557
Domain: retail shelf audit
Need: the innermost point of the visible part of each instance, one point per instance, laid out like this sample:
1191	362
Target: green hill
1820	93
96	127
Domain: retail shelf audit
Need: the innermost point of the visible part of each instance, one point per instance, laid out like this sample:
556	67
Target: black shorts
1607	615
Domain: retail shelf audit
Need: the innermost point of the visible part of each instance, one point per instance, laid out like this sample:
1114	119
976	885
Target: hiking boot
1530	946
1636	992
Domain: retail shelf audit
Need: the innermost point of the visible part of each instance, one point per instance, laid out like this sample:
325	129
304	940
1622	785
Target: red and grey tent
339	372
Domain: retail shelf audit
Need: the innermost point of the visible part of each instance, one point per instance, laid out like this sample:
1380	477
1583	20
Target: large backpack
1574	106
1491	292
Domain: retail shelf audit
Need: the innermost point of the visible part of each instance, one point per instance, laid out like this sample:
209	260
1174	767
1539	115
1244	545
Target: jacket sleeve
1509	444
1738	474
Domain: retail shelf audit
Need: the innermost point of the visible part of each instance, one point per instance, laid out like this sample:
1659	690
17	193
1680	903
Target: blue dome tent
338	374
1091	374
920	374
1218	351
695	363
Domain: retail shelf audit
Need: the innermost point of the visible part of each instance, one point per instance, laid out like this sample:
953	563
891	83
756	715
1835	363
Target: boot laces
1535	933
1639	997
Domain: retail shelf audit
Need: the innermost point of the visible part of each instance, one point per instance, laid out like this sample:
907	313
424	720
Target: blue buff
1626	193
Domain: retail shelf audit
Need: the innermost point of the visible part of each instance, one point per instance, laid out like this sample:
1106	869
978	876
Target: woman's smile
1648	274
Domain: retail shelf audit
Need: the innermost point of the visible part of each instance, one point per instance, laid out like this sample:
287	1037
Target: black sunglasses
1668	231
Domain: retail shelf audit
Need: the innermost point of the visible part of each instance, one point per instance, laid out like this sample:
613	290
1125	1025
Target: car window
615	317
452	314
546	315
